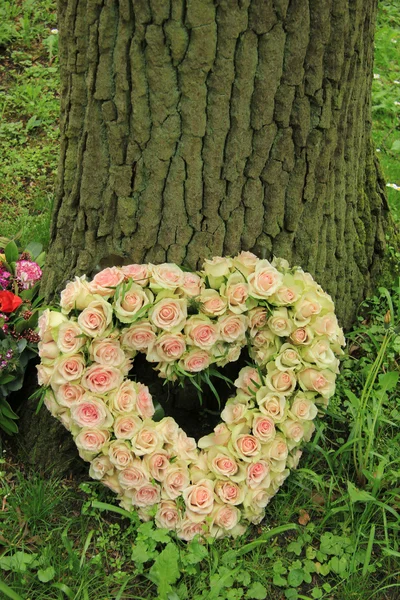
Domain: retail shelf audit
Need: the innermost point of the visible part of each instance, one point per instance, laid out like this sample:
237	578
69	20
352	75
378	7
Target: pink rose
144	402
301	336
233	327
265	280
257	318
95	319
105	282
246	446
192	285
167	348
220	463
134	476
69	393
127	426
263	428
201	332
139	337
100	379
90	412
322	382
167	516
147	494
199	499
157	464
229	492
283	382
107	351
258	474
167	276
236	292
302	408
169	314
139	273
195	361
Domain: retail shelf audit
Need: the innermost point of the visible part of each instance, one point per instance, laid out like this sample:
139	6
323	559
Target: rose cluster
184	322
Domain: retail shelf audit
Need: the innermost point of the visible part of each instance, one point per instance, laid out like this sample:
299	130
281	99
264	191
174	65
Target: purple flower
4	277
28	273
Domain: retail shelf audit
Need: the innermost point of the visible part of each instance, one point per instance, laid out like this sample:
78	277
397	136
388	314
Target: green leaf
34	249
9	593
45	575
40	259
257	591
291	594
165	570
395	146
295	577
18	562
357	495
6	410
316	593
159	412
140	553
11	252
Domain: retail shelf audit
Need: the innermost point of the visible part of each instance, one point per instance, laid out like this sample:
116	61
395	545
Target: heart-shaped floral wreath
185	322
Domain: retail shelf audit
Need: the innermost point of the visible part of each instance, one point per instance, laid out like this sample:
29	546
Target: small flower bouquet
20	275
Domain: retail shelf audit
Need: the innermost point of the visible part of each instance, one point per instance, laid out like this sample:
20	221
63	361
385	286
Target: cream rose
265	280
236	291
212	304
147	440
245	262
282	382
199	499
263	428
288	358
257	319
216	269
95	318
157	463
120	454
123	400
167	516
192	285
221	463
322	382
147	494
68	368
169	314
271	404
321	354
233	328
139	337
107	351
249	380
127	426
100	467
48	350
70	338
293	430
76	295
188	529
280	323
302	336
131	302
167	276
176	480
303	408
69	393
90	441
225	517
48	324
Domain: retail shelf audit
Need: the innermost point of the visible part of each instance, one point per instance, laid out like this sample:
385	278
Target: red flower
9	302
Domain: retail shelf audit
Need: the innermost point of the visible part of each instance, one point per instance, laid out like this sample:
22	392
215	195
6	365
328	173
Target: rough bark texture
193	128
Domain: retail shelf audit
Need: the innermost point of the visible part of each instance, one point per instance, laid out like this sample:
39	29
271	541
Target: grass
29	107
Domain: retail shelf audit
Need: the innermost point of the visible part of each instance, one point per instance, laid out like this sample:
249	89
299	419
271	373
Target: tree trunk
193	128
201	127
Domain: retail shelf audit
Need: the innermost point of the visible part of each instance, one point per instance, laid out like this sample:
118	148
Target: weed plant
332	531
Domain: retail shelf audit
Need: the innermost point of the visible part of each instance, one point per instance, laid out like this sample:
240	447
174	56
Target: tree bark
193	128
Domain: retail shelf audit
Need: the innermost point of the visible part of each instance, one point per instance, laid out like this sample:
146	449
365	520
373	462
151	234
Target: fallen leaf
304	517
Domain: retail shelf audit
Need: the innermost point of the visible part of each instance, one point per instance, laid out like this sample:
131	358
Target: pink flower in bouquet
4	278
28	273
